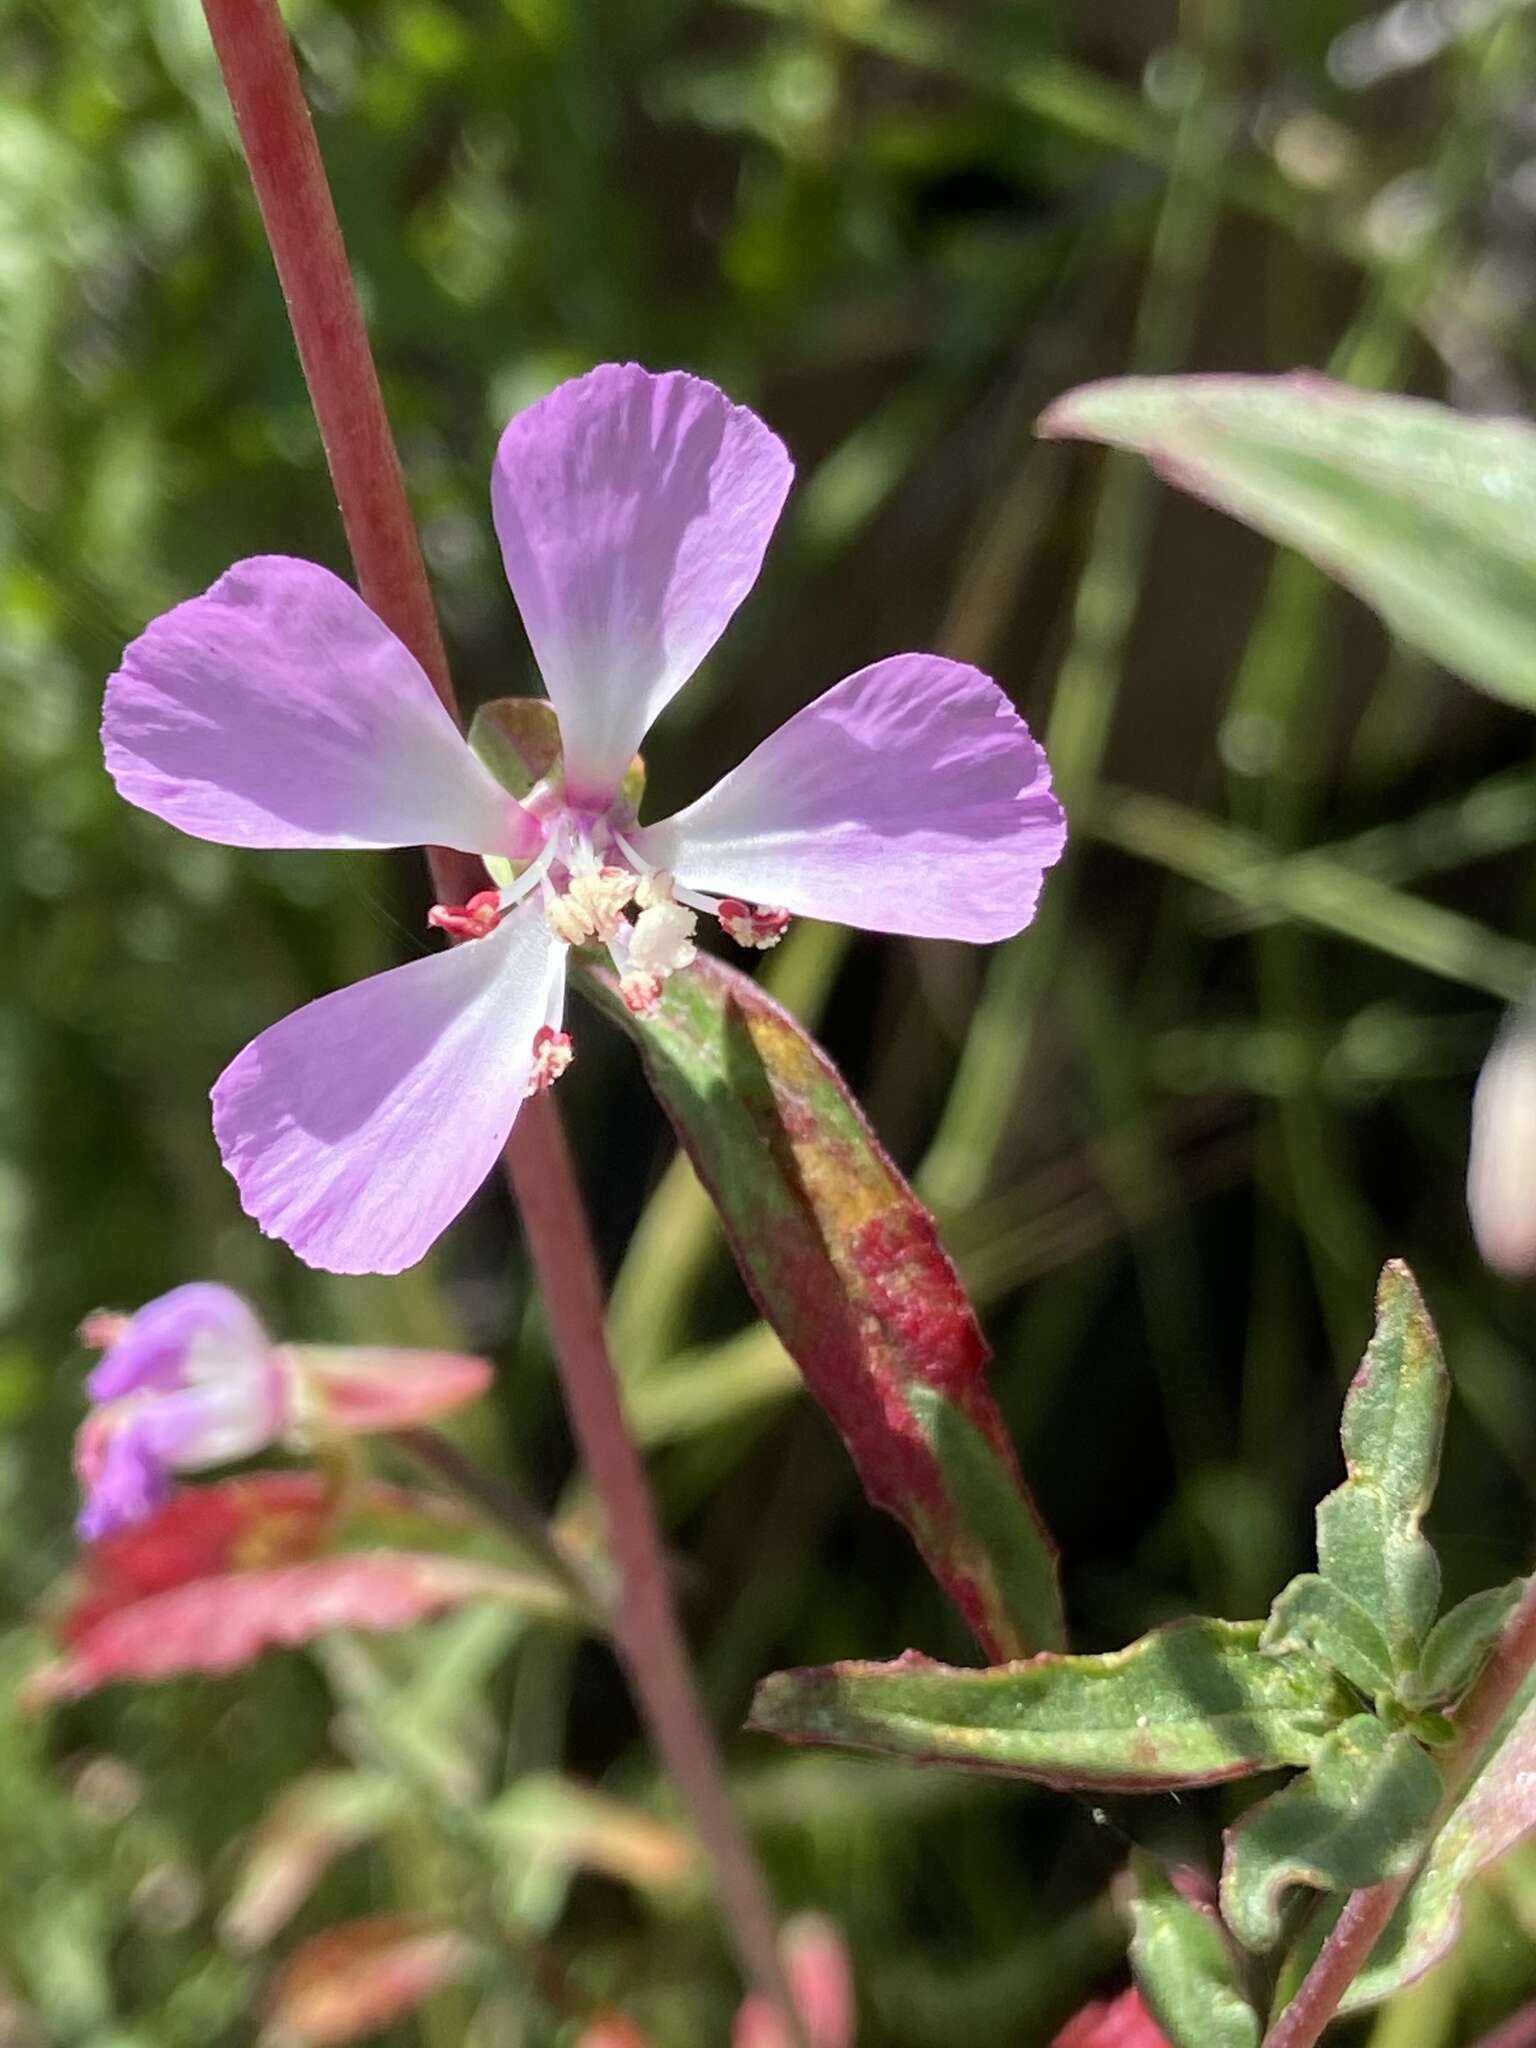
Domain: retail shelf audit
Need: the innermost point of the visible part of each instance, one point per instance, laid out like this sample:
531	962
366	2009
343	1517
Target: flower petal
277	710
909	798
633	512
128	1481
359	1127
153	1351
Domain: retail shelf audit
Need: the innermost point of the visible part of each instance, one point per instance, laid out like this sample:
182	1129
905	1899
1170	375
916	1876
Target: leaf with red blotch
358	1389
223	1572
846	1266
357	1978
221	1623
252	1523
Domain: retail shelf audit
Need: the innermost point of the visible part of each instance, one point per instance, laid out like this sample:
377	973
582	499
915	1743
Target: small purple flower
633	512
191	1380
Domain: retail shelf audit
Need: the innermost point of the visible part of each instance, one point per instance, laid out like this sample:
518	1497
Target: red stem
300	217
1519	2032
1364	1919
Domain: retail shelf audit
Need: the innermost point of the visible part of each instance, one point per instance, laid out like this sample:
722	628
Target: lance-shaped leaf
1191	1704
359	1389
1361	1813
1185	1967
223	1572
308	1825
357	1978
1427	515
1458	1645
1314	1614
1369	1543
1497	1813
845	1264
219	1624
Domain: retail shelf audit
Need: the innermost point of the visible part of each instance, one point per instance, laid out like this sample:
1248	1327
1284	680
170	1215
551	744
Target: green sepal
1184	1966
518	739
1360	1814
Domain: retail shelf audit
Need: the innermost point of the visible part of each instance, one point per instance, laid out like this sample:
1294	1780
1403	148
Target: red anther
761	927
102	1328
475	919
553	1052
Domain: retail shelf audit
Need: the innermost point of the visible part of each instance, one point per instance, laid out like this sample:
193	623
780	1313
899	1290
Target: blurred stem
1519	2032
1366	1914
997	1050
505	1507
296	205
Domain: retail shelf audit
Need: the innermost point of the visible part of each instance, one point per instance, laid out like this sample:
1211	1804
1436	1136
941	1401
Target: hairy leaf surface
1190	1704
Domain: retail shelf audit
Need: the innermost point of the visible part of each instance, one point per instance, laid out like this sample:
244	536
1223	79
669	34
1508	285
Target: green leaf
1496	1814
1358	1815
1430	517
1458	1644
1369	1543
846	1266
1184	1967
1314	1614
1190	1704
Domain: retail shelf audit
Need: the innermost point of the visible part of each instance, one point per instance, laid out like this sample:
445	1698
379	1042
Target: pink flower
633	512
192	1380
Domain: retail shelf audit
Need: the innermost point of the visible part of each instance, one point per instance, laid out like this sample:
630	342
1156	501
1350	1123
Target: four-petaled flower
192	1380
633	512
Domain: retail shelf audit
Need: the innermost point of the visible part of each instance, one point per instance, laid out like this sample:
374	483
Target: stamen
553	1052
476	919
592	906
759	928
641	993
662	940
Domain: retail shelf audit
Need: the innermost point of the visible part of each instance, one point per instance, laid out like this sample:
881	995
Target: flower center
588	877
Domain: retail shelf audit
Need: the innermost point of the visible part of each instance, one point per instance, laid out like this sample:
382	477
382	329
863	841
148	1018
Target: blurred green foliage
1170	1133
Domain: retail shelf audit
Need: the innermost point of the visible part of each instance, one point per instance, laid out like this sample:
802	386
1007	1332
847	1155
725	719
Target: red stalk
300	217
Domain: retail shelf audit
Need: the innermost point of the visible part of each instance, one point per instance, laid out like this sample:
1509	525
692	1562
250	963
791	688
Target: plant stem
506	1508
297	208
1364	1919
1518	2032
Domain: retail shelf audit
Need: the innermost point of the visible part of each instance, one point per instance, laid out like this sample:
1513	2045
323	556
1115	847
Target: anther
662	939
476	919
592	906
552	1054
103	1328
641	993
760	928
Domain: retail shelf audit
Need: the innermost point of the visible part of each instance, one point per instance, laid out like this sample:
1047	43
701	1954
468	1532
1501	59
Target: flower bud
1501	1168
